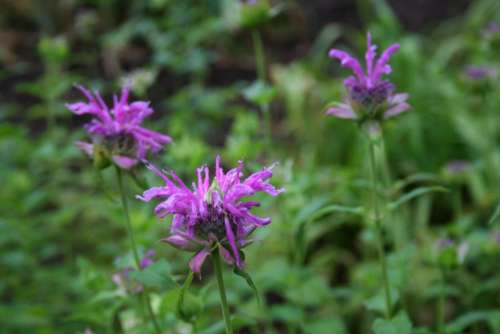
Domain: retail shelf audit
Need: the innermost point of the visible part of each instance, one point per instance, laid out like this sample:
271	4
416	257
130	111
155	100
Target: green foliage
62	236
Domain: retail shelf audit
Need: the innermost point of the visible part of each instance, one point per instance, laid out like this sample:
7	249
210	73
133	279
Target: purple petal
147	260
342	111
197	261
181	242
85	147
232	242
226	255
396	110
382	67
346	60
124	162
369	57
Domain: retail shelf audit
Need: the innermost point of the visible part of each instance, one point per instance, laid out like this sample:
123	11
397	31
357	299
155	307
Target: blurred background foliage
61	231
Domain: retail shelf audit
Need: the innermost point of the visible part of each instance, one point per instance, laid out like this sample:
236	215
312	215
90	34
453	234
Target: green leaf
248	279
260	93
155	276
180	301
377	303
400	324
461	323
188	305
495	215
355	210
328	325
414	194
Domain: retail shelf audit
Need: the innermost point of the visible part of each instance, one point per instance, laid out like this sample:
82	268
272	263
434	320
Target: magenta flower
480	72
211	214
117	133
492	28
123	280
370	97
457	166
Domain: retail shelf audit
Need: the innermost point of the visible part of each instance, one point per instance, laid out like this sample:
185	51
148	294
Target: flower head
457	166
480	72
492	28
211	213
117	133
370	97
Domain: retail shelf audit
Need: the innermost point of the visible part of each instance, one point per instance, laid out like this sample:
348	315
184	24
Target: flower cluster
213	213
369	97
116	133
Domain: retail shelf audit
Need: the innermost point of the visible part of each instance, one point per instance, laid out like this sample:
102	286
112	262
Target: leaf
400	324
377	303
156	276
495	215
287	313
188	305
414	194
300	232
260	93
355	210
248	279
461	323
328	325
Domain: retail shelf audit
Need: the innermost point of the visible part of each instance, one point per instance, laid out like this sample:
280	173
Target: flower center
213	225
370	97
121	143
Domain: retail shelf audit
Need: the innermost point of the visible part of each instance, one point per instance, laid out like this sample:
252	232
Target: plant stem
260	61
130	232
222	291
441	312
123	194
379	228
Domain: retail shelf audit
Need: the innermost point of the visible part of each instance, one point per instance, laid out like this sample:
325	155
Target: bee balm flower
369	97
212	213
117	133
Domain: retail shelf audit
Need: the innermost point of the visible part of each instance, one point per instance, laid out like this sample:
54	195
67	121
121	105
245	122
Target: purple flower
147	259
480	72
369	97
123	280
212	213
495	236
492	28
443	243
457	166
117	133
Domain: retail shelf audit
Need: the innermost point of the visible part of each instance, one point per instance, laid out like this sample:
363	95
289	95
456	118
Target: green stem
441	312
222	291
379	228
260	61
259	55
123	194
130	232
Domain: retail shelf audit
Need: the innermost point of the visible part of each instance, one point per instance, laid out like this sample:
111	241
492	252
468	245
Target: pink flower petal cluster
212	213
117	130
369	95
